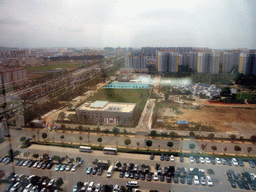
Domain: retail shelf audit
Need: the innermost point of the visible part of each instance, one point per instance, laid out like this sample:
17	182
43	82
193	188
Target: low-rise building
105	112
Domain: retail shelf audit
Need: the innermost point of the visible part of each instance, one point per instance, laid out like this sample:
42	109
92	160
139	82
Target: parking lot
219	177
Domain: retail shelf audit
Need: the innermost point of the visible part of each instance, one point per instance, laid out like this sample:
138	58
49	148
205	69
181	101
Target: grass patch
245	95
60	64
138	96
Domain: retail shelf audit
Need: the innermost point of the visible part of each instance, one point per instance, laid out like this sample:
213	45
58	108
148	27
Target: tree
138	144
214	148
170	144
57	158
34	137
119	165
211	136
192	134
78	159
35	156
232	137
241	139
225	149
61	116
99	140
253	138
192	146
237	148
62	137
249	149
172	134
79	184
62	126
80	138
98	129
149	143
225	92
44	135
115	130
127	142
125	131
22	139
26	154
59	182
153	133
203	147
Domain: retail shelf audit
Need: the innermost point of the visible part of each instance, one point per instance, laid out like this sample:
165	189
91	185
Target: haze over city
213	24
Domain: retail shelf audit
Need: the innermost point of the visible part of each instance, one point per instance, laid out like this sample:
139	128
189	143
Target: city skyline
213	24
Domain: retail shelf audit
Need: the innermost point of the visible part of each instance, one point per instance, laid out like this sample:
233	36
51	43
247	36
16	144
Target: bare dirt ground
224	119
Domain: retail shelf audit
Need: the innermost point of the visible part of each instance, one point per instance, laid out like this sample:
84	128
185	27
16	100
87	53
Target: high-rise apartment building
203	62
214	63
243	63
136	61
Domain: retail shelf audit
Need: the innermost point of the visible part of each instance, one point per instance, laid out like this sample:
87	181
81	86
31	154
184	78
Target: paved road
111	140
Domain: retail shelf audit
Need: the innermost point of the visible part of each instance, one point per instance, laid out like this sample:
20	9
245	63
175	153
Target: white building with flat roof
105	112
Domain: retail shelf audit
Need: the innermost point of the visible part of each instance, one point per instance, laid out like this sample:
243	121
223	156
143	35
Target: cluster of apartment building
203	60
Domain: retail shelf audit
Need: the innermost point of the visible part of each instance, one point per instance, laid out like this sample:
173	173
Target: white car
192	159
207	160
91	187
155	176
201	159
196	180
172	158
209	181
98	187
218	161
234	161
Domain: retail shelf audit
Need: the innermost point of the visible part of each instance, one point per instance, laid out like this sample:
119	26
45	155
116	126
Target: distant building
13	76
105	112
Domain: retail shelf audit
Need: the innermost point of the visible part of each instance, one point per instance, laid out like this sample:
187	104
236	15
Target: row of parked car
104	188
5	160
244	180
33	163
208	160
63	167
24	183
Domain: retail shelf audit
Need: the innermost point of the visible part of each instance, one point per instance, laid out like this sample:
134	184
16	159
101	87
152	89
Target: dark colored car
142	177
44	166
147	169
182	179
251	164
137	175
181	159
132	174
168	178
212	160
197	159
49	165
99	172
175	179
94	171
152	156
246	185
229	175
232	183
240	163
121	175
162	157
149	176
189	179
162	177
167	157
229	162
17	162
240	184
235	175
140	168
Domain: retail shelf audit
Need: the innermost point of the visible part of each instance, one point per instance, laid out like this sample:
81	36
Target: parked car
218	160
201	160
152	156
203	181
189	179
89	170
63	167
251	163
98	187
234	161
167	157
58	167
207	160
155	176
196	180
172	158
209	181
162	157
121	175
192	159
181	159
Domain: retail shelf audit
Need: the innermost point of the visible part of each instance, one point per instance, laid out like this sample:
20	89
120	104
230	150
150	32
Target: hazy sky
128	23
